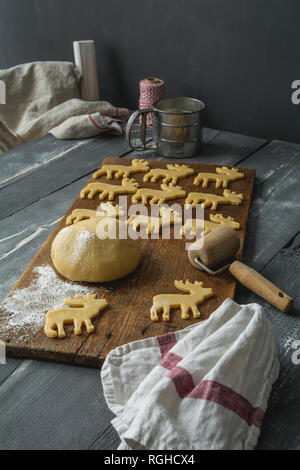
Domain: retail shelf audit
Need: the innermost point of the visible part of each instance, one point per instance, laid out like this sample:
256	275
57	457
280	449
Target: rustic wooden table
44	405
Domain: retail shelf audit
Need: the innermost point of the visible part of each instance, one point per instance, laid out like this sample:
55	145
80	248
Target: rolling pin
220	245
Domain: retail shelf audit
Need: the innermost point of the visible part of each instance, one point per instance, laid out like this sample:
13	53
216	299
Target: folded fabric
204	387
77	119
44	97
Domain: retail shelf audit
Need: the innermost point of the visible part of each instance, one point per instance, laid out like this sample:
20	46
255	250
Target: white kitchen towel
44	97
204	387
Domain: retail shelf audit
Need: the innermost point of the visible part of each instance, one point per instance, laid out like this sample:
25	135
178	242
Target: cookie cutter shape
192	226
123	171
169	175
213	200
106	210
83	310
222	177
154	224
165	302
109	190
156	196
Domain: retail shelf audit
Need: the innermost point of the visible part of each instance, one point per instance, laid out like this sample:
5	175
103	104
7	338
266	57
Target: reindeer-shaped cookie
213	200
123	171
109	190
157	196
165	302
82	310
192	226
222	177
170	175
154	224
106	210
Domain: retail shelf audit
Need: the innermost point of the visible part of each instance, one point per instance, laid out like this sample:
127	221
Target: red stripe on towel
166	342
170	360
233	401
209	390
182	380
98	127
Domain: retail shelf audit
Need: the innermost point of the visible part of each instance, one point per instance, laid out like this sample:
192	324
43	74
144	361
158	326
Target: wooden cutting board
130	299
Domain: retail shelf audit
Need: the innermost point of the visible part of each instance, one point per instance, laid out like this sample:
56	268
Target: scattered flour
25	310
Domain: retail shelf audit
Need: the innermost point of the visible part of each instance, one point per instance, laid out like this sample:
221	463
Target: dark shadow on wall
238	57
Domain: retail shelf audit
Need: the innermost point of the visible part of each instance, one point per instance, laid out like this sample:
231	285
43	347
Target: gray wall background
239	56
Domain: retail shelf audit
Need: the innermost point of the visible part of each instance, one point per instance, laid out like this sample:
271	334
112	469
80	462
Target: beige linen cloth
204	387
44	97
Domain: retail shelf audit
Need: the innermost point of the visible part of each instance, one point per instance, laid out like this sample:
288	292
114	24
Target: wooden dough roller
221	244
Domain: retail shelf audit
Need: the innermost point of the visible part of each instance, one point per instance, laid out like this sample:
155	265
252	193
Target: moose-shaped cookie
165	302
83	310
156	196
213	200
222	177
169	175
123	171
154	224
106	210
109	190
192	226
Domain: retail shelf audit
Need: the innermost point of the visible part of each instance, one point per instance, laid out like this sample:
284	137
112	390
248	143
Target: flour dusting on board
25	310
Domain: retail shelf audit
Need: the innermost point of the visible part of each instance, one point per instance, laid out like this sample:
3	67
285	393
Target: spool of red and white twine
151	90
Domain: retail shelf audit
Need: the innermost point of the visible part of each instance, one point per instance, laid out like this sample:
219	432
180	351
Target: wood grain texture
130	298
275	213
57	173
85	61
58	407
223	148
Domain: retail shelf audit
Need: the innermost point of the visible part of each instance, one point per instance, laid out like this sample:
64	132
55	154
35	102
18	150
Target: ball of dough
80	255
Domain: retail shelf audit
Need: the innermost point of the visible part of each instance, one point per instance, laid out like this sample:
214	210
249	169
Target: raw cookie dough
109	190
106	210
123	171
191	226
170	175
213	200
82	310
221	177
79	255
164	302
157	196
167	218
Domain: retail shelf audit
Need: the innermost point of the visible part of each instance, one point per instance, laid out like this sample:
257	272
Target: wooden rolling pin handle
261	286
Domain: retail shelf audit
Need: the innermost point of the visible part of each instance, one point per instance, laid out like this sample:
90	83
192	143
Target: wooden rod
85	61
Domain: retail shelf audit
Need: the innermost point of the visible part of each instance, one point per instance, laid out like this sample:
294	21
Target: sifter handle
261	286
131	120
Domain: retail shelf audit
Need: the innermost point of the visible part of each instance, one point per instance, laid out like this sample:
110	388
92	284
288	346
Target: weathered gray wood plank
275	212
56	174
52	406
224	148
16	162
229	148
7	369
107	440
